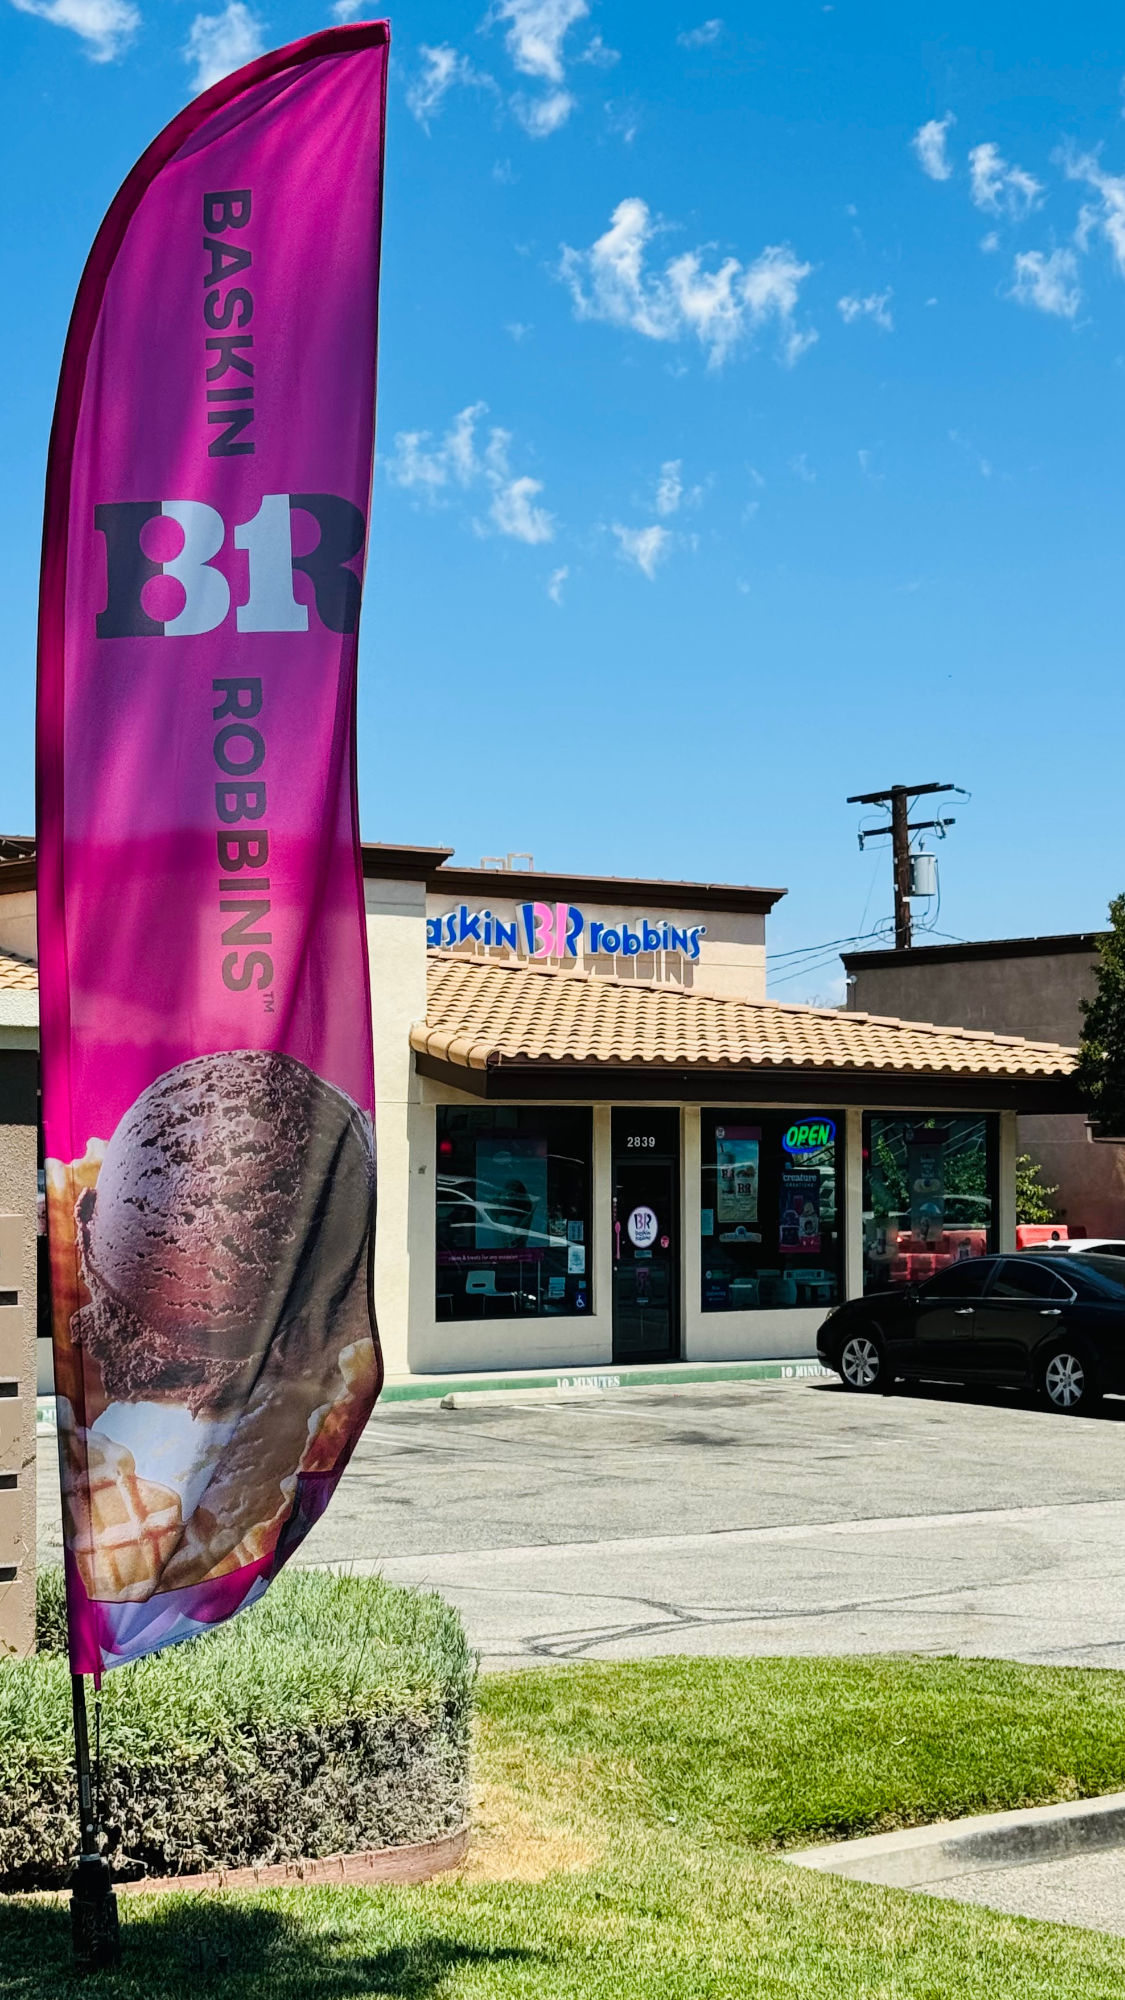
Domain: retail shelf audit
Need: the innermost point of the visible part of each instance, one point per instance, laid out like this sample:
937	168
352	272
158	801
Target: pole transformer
900	798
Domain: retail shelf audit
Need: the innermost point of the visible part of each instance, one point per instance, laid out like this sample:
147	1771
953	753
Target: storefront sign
809	1135
642	1227
561	930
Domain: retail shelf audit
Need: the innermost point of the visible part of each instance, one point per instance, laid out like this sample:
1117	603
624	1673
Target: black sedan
1052	1324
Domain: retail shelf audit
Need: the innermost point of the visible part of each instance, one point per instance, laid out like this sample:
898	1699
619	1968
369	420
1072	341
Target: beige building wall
17	1385
17	923
396	937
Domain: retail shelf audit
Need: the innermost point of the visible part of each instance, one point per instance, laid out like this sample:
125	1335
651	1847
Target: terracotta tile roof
480	1013
18	975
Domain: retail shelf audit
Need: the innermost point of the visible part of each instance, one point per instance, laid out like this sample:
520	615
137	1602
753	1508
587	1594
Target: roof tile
481	1012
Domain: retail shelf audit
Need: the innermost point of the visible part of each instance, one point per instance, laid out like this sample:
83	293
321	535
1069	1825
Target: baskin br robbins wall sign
561	930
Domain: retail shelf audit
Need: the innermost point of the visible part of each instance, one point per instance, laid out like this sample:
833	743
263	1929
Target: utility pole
900	798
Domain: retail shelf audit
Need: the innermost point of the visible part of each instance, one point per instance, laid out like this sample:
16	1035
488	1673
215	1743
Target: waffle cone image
121	1529
67	1181
248	1488
224	1258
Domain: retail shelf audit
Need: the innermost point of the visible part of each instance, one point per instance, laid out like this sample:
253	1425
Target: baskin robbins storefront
600	1143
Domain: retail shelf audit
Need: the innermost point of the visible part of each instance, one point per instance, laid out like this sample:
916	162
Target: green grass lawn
631	1819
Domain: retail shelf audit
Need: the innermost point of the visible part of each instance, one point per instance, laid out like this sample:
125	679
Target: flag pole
93	1905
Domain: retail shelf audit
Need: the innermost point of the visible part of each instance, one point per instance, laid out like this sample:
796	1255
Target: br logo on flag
133	562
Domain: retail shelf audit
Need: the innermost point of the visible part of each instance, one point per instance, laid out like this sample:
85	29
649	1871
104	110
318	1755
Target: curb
917	1856
580	1382
411	1863
591	1382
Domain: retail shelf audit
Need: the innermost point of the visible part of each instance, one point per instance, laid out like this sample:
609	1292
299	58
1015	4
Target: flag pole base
93	1916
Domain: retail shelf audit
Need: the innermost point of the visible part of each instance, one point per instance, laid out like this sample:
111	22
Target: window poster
799	1225
736	1160
926	1170
511	1191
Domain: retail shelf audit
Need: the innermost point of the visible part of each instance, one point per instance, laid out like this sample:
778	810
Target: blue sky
750	428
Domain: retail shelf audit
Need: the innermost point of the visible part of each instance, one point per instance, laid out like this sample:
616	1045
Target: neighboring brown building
1015	986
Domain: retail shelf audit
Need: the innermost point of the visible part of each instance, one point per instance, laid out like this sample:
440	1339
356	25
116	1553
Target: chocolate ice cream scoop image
234	1206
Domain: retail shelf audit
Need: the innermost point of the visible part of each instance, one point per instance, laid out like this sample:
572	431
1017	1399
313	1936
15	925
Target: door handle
962	1312
1050	1312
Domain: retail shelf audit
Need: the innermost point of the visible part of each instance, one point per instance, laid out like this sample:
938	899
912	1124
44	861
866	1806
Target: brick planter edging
414	1862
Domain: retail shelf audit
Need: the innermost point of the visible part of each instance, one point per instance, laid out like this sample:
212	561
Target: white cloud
540	116
514	513
599	55
875	306
106	26
555	587
983	465
670	486
1000	189
444	67
647	547
218	43
623	119
458	461
929	146
698	38
1106	214
346	10
537	30
1047	282
721	307
804	471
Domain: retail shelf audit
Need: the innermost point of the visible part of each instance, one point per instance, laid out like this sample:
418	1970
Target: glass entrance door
646	1235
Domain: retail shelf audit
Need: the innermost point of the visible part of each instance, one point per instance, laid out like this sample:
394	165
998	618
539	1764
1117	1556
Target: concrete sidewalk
1063	1864
539	1384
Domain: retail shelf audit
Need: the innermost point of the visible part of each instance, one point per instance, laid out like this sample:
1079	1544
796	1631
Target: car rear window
1097	1276
1019	1278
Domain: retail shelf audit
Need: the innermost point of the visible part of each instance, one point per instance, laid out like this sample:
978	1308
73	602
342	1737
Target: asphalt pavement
753	1518
742	1518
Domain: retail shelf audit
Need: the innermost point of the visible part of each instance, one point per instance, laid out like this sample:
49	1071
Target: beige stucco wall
17	923
17	1365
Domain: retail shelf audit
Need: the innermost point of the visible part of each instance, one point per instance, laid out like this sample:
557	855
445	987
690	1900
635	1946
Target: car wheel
863	1365
1066	1380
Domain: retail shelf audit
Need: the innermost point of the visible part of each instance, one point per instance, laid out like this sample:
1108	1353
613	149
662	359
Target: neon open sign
811	1135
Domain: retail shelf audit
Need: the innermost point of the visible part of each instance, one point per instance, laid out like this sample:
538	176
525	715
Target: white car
1079	1246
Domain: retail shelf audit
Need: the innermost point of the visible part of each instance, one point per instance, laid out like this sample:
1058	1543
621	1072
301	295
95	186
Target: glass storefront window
769	1221
513	1212
929	1195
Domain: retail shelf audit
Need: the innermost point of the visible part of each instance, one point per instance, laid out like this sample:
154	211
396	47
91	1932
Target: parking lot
743	1518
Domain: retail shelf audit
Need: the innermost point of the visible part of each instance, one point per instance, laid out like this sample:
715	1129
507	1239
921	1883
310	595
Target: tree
1101	1056
1033	1200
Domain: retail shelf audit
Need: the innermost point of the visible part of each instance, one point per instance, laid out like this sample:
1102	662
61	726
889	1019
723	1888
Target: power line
805	950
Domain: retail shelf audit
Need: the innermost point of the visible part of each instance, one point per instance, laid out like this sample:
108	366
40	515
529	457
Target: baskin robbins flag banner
206	1025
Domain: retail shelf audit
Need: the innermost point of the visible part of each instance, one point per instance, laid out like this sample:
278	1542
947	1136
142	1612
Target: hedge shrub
332	1716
